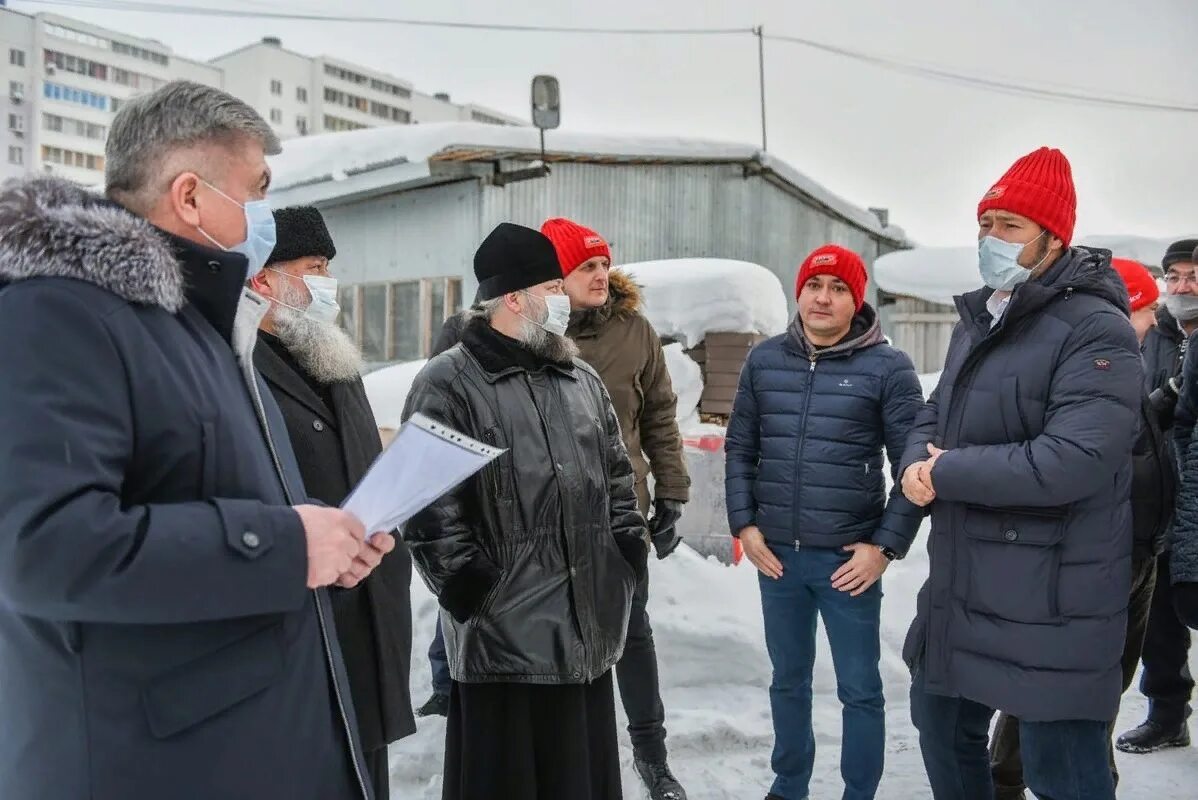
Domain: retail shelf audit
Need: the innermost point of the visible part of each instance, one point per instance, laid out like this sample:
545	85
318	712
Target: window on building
16	122
276	116
407	338
301	125
69	94
72	158
16	57
374	323
276	87
301	94
16	89
398	321
16	155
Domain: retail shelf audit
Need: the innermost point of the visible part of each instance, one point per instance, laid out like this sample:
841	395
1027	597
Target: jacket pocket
208	456
1014	562
1014	420
213	683
493	472
485	606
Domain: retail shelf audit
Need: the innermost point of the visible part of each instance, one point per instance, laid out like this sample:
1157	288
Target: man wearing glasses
1166	680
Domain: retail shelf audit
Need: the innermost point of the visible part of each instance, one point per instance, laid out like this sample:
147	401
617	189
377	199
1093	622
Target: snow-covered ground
715	675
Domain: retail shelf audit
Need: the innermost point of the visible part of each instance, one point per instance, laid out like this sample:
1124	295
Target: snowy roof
401	156
687	298
937	274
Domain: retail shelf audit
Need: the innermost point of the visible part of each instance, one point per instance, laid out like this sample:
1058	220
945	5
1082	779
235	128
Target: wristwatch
891	555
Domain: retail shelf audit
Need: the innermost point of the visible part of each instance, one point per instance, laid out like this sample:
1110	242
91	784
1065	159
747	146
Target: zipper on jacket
583	625
260	409
794	514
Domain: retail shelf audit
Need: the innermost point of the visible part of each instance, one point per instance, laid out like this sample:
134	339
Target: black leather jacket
536	557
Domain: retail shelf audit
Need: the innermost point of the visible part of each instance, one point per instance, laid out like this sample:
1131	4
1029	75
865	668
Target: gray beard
540	342
323	350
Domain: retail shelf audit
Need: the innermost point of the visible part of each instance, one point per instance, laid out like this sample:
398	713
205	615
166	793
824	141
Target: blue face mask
259	232
998	263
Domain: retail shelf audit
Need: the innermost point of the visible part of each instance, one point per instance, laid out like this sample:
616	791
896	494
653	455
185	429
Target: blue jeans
439	662
1066	760
789	606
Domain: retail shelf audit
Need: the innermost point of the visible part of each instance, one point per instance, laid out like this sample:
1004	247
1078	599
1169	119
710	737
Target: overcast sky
927	150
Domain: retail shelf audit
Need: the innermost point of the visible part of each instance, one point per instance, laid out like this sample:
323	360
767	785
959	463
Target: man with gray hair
534	560
164	630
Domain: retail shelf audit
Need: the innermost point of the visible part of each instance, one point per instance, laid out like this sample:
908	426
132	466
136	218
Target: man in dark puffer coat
1025	448
1154	486
814	411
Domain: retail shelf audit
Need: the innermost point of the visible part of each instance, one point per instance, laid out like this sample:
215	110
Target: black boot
1152	736
437	706
661	782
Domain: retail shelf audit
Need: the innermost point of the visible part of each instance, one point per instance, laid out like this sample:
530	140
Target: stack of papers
423	462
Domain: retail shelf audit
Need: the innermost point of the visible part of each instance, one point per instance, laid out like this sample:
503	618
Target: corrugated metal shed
396	217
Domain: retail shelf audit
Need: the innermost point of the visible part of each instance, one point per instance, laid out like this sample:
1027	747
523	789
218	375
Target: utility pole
759	32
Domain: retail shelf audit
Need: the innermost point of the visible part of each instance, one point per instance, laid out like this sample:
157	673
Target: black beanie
300	232
1183	252
514	257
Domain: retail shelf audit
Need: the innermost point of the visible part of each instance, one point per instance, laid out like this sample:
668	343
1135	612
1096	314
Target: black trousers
532	742
1006	763
1166	680
640	687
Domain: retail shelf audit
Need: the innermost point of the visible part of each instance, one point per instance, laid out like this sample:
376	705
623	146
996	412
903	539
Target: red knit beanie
1142	290
574	243
832	259
1038	186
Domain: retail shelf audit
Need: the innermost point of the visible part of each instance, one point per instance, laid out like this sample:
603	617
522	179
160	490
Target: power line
1002	86
169	8
1007	87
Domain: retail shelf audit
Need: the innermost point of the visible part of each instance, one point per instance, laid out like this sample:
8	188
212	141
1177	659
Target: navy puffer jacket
805	442
1025	607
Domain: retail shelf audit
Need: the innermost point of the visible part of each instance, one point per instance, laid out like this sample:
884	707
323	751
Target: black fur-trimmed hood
50	227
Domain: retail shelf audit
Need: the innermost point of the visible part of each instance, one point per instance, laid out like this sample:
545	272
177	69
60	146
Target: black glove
666	514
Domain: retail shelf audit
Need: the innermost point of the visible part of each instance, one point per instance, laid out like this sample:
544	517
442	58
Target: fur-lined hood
50	227
623	302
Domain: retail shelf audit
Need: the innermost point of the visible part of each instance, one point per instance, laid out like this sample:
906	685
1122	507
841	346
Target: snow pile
937	274
387	390
687	298
687	379
715	677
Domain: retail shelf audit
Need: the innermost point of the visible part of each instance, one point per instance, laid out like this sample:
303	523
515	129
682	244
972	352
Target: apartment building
63	81
301	95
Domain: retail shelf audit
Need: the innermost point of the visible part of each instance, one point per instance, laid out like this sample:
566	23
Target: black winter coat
535	558
1184	536
806	438
335	443
1025	607
156	636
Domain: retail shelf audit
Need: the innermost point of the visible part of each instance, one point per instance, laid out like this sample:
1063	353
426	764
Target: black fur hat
300	232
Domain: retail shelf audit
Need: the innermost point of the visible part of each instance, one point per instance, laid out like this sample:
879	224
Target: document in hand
423	462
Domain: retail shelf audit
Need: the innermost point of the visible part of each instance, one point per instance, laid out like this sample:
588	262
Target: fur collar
54	228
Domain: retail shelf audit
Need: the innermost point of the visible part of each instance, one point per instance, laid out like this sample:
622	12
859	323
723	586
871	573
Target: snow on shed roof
402	155
937	274
687	298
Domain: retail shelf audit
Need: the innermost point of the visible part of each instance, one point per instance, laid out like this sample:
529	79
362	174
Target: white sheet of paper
423	462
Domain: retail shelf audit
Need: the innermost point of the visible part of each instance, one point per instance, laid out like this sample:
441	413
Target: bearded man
534	560
313	369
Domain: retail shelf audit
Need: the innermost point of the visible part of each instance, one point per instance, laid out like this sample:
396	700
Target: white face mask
259	232
998	263
557	313
323	306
